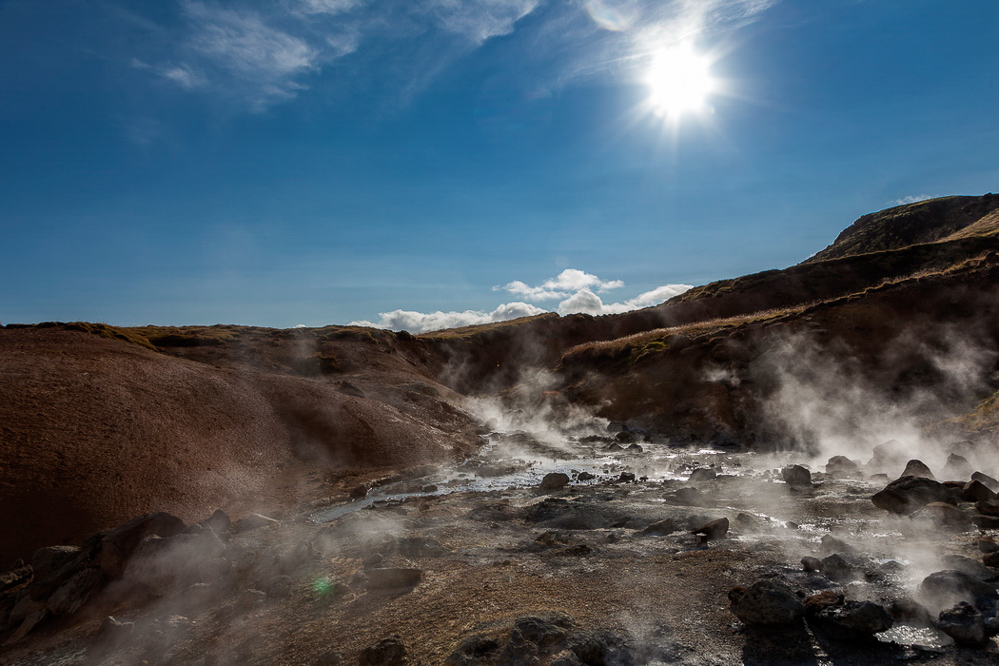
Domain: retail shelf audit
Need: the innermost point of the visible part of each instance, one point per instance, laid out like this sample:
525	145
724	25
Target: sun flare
679	80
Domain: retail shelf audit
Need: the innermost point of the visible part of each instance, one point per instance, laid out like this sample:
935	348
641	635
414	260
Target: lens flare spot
679	80
616	16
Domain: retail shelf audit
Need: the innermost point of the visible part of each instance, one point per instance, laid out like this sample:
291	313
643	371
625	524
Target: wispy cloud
912	199
574	287
263	53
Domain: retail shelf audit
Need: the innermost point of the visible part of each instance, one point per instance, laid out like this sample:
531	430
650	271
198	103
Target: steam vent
792	467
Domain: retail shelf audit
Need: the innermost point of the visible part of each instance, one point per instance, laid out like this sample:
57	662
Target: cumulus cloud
567	282
573	286
263	52
421	322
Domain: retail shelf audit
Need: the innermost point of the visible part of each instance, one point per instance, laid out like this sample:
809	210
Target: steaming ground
443	554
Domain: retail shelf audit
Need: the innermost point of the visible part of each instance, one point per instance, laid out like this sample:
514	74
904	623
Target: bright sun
679	80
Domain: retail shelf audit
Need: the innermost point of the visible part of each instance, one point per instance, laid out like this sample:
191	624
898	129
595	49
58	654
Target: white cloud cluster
912	199
569	281
421	322
262	52
574	287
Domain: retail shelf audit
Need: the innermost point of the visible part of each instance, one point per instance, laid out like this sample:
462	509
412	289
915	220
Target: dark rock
991	560
910	611
330	658
796	476
30	622
886	455
617	426
985	522
854	620
636	448
11	579
389	651
625	437
844	566
944	589
766	602
393	578
841	466
359	491
47	561
372	560
909	494
990	508
278	587
918	469
615	447
748	522
976	491
964	624
689	497
816	603
166	565
988	544
119	544
585	476
702	474
715	529
541	631
831	544
811	563
677	342
474	651
554	481
664	526
220	524
957	467
254	521
626	477
945	515
993	484
74	592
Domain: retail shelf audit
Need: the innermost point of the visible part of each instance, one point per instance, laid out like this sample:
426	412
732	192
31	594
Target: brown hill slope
94	431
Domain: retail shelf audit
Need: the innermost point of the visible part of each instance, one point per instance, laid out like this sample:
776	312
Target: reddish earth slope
94	431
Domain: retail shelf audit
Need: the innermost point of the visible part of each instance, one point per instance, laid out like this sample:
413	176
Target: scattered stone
254	521
50	559
796	476
626	477
389	651
635	448
831	544
991	560
988	544
748	522
945	515
957	467
554	481
976	491
689	497
473	651
819	602
392	578
702	474
17	576
944	589
664	526
909	494
715	529
330	658
985	522
854	620
964	624
220	524
841	466
585	476
74	592
918	469
811	563
766	602
993	484
990	508
119	544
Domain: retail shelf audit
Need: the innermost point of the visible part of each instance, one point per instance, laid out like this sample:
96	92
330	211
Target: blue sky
421	163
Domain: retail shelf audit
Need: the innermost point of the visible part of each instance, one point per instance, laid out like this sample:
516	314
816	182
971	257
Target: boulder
255	521
816	603
50	559
220	524
964	624
119	544
554	481
945	515
702	474
844	566
15	577
944	589
854	620
976	491
389	651
985	522
766	603
74	592
841	466
909	494
473	651
993	484
664	526
917	468
830	544
796	476
811	563
715	529
990	508
988	544
957	467
688	497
